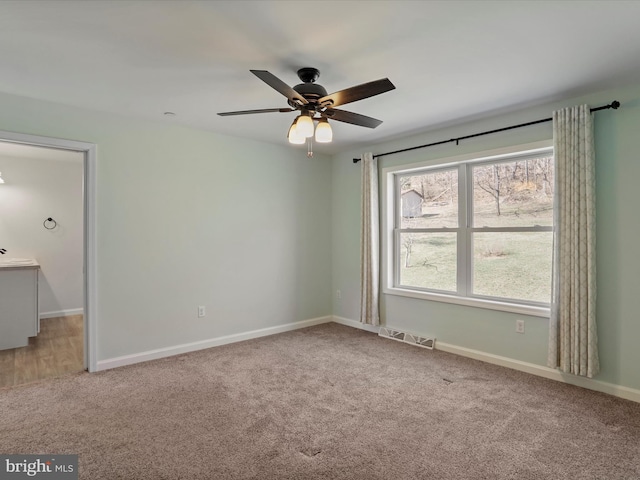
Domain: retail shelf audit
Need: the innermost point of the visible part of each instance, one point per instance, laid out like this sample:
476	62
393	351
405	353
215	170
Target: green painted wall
187	218
618	229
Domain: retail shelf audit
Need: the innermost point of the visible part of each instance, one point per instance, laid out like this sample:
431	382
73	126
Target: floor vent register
393	334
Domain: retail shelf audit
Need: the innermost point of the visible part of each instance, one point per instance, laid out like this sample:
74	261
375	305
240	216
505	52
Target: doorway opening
48	202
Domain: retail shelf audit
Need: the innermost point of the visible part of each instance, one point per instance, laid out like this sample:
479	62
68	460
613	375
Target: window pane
513	194
513	265
429	200
428	260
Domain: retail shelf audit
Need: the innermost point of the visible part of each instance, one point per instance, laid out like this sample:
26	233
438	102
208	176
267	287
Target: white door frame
89	197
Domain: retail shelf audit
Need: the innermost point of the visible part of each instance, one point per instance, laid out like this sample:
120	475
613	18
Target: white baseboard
546	372
62	313
591	384
202	344
356	324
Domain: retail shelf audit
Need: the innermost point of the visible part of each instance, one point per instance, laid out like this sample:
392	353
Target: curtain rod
615	104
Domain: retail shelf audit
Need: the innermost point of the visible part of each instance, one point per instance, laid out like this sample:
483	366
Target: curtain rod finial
356	160
615	104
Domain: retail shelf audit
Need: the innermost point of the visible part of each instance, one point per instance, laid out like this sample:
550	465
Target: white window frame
391	230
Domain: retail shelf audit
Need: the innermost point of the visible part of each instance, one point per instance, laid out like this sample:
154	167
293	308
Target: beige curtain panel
573	338
369	241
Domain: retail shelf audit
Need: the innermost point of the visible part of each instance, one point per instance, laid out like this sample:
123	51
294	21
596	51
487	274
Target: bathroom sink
17	262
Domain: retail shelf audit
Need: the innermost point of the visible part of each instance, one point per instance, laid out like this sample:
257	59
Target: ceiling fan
313	103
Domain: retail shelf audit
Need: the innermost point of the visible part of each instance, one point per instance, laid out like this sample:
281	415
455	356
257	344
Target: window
476	231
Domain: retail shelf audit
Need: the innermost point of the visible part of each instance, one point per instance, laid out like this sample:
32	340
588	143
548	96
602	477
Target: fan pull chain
310	147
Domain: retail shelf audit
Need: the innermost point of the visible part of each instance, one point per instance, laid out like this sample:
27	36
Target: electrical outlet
201	311
519	326
338	294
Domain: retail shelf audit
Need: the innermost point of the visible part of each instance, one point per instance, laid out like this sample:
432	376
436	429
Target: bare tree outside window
521	192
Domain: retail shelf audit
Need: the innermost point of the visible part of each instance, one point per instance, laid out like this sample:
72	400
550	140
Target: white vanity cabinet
19	312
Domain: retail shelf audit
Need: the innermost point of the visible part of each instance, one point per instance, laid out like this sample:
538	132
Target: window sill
531	310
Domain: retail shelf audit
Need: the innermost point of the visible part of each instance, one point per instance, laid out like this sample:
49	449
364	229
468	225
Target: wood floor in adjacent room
58	349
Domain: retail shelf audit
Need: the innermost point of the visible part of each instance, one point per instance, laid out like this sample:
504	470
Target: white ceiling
449	60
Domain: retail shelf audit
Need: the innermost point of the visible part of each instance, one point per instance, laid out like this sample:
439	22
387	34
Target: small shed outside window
412	204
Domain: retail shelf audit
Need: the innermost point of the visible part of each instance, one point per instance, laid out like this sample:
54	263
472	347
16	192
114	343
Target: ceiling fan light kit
314	104
302	129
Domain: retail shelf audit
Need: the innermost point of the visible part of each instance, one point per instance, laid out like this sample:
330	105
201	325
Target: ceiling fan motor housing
310	90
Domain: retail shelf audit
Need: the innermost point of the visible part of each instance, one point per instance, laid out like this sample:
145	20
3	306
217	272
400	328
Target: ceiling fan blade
264	110
277	84
350	117
358	92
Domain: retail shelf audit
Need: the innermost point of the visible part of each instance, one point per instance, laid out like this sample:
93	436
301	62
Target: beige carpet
327	402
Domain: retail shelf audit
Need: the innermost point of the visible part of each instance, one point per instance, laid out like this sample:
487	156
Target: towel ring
50	223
